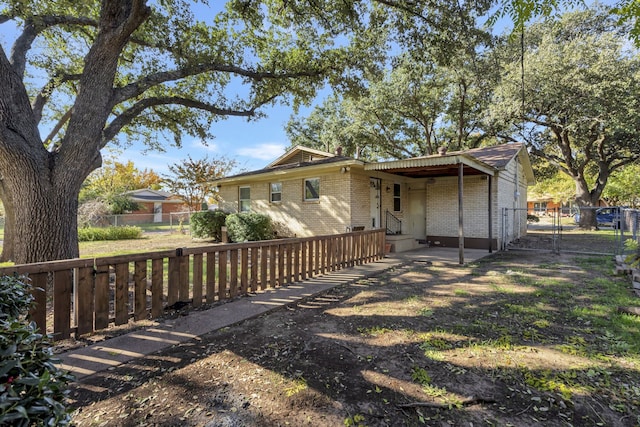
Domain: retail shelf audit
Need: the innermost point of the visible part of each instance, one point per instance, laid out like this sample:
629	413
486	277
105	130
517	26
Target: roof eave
277	173
432	161
298	148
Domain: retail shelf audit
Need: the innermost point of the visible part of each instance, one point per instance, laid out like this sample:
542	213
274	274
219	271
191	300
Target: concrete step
623	269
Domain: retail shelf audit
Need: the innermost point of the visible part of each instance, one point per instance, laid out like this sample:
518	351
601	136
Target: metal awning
443	165
432	166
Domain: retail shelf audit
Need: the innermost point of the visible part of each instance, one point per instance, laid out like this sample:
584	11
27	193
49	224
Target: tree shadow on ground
508	340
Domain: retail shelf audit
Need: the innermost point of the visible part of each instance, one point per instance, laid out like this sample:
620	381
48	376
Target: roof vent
442	150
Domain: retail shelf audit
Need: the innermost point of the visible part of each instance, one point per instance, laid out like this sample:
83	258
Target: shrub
244	227
93	213
532	218
33	390
208	224
92	234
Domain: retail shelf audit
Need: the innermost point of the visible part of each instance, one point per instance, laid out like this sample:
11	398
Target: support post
490	211
460	214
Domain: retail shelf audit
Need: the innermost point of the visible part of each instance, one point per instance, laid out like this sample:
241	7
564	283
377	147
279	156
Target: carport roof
476	161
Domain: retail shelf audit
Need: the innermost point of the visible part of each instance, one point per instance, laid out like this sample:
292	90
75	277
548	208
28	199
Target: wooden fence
80	296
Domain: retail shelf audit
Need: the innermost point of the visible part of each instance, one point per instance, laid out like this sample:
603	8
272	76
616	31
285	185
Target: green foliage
546	380
121	203
631	245
208	224
522	11
582	119
192	179
623	187
15	297
355	421
92	234
249	226
409	111
33	390
420	375
115	178
533	218
558	186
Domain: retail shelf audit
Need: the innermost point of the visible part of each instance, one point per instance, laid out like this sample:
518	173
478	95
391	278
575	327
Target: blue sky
254	144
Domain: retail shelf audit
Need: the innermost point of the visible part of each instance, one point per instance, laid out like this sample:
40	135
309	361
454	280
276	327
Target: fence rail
81	296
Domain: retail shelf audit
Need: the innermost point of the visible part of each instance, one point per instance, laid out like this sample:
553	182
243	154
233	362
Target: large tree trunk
587	201
40	187
9	225
42	215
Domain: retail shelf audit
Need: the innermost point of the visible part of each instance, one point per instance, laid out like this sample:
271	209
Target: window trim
397	197
240	199
271	192
304	190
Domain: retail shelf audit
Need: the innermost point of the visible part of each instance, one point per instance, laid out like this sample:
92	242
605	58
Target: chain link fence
557	230
173	221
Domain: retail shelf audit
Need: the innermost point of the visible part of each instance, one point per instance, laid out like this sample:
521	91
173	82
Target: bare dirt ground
518	338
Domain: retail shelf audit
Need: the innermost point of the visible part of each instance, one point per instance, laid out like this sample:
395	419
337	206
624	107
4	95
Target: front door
157	212
417	214
374	202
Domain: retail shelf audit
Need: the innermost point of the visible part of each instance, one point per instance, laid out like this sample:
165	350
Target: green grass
159	227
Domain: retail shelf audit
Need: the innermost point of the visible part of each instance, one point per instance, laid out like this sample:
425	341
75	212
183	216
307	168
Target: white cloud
208	146
155	161
265	151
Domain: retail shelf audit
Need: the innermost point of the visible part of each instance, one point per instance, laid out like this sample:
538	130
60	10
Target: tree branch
137	88
403	6
64	119
34	26
6	18
43	96
553	159
129	115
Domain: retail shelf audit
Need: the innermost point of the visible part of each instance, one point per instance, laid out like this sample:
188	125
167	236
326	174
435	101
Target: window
396	197
244	199
540	207
276	192
312	189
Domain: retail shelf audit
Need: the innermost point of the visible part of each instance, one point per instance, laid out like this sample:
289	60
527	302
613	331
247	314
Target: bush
92	213
33	391
532	218
245	227
92	234
208	224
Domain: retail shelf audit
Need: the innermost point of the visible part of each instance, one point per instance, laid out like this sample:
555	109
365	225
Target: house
156	204
545	205
457	199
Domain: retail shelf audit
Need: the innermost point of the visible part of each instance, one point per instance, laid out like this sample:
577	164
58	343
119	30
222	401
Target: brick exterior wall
510	181
442	207
147	208
345	202
360	206
293	216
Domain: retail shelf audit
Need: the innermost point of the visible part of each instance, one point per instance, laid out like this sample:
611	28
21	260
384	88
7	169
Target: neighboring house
157	204
311	192
545	205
